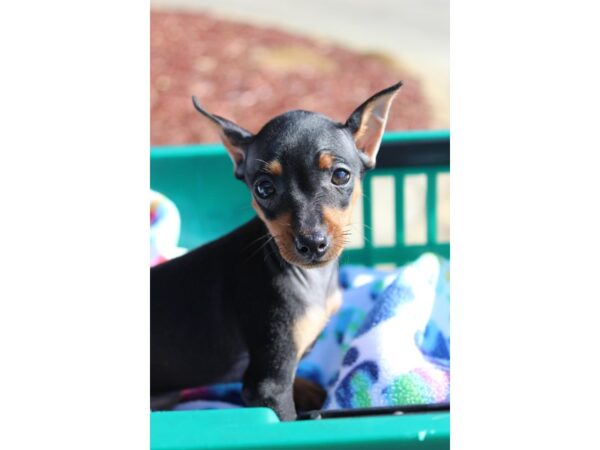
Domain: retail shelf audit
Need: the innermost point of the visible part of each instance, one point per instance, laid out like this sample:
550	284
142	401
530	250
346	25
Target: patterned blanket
390	342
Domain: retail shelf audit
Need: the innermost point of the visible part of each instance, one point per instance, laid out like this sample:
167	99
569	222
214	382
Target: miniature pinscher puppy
247	306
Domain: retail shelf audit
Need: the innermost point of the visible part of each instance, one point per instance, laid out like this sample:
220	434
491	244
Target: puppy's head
304	170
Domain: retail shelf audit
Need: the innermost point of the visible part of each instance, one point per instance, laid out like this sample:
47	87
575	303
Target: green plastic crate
259	428
199	179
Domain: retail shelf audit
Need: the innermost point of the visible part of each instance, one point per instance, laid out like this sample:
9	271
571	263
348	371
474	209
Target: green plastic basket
199	179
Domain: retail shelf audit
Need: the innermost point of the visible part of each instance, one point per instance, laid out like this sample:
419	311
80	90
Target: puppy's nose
313	244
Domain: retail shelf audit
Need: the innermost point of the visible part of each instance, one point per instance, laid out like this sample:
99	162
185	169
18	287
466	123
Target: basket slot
383	211
443	207
415	210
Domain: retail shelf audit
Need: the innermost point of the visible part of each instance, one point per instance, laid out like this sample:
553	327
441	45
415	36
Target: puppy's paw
308	395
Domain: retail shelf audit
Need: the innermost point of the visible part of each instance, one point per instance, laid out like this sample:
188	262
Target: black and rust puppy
248	305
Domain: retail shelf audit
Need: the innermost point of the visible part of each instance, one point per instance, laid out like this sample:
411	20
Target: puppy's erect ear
367	123
234	137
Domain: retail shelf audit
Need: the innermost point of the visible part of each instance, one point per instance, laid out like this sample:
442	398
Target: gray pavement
416	33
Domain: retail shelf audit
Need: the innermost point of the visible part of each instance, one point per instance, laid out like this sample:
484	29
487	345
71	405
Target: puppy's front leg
269	379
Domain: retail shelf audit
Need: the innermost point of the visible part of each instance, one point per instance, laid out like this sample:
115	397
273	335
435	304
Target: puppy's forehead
299	136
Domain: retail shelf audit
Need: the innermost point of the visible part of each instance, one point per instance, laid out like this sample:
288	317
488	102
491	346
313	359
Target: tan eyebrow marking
325	161
274	167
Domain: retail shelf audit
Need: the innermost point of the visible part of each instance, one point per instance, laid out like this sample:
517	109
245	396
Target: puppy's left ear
234	137
367	123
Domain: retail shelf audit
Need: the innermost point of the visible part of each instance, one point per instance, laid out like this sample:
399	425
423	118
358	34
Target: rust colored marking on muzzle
281	230
338	222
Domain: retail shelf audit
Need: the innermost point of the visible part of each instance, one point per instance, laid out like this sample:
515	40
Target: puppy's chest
312	320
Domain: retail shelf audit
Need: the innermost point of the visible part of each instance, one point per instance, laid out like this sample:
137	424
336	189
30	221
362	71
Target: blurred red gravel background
250	74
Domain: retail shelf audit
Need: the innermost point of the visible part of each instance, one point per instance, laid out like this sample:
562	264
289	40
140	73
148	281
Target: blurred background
251	60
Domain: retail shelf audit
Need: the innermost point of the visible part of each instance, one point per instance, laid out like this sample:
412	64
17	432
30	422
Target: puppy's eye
340	177
264	189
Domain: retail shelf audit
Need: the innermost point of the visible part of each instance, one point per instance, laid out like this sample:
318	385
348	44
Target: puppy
247	306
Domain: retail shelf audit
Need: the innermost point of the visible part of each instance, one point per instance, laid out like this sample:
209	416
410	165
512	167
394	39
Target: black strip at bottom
379	411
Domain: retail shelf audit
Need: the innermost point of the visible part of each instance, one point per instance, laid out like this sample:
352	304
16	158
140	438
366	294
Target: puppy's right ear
367	123
234	137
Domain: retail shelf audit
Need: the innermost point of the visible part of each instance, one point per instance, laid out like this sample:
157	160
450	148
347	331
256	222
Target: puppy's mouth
311	263
289	252
315	264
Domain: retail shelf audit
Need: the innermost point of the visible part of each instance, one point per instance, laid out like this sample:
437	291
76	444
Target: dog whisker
263	245
362	232
264	236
